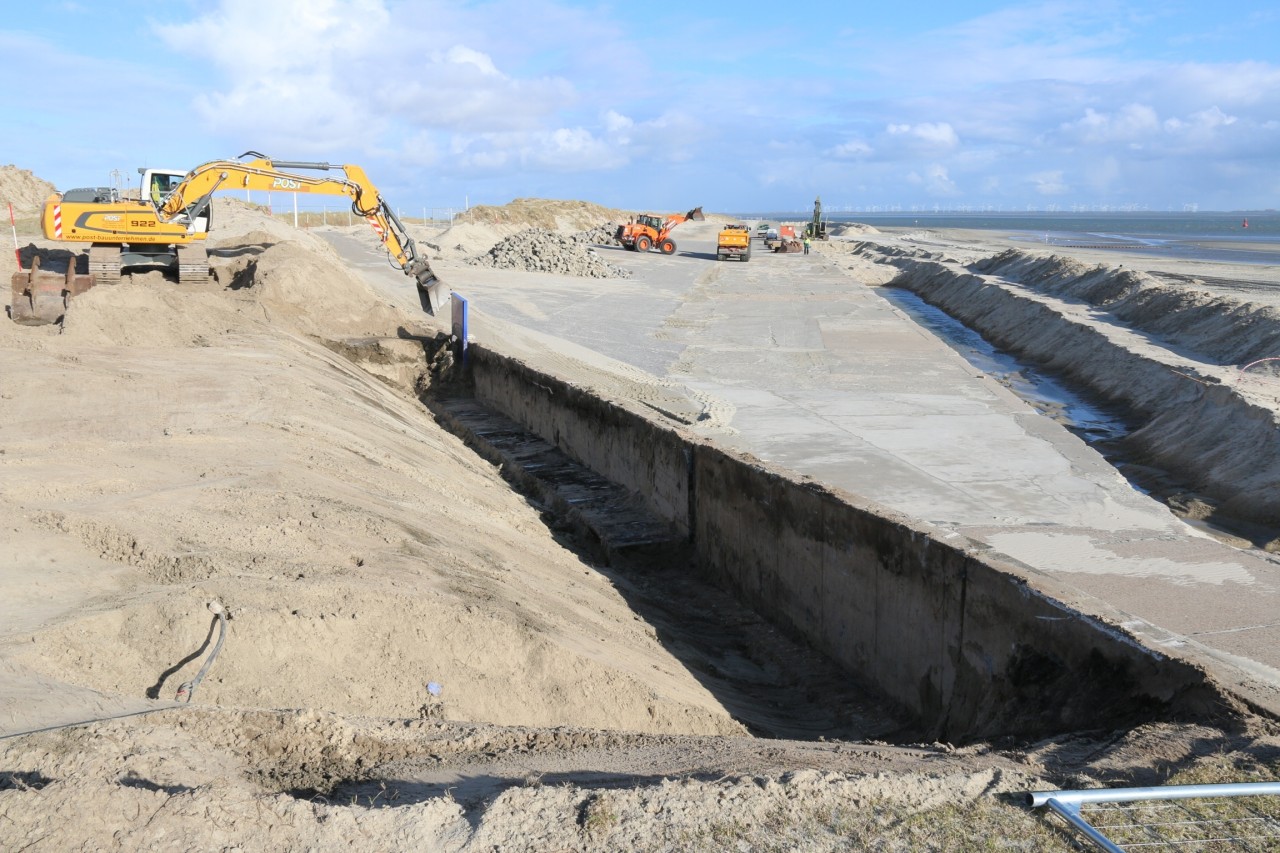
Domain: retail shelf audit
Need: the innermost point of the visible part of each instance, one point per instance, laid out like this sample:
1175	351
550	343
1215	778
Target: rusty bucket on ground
40	298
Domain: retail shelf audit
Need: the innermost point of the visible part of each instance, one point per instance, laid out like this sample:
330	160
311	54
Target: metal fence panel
1228	817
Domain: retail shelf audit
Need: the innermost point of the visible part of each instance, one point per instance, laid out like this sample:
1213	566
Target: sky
736	107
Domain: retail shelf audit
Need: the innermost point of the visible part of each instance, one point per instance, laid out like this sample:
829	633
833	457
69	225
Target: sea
1249	237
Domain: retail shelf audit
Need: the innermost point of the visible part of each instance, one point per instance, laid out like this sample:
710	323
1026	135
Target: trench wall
967	646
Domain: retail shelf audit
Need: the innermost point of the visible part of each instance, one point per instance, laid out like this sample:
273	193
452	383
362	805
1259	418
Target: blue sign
460	324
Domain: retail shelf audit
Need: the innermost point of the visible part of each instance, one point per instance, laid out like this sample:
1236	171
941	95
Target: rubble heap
540	250
601	235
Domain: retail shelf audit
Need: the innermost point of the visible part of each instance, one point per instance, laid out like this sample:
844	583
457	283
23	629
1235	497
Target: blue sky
734	106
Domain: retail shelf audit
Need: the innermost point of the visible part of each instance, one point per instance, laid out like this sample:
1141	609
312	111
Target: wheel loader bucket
695	215
40	298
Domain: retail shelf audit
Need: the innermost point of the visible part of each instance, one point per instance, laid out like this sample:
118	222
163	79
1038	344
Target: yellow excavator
168	226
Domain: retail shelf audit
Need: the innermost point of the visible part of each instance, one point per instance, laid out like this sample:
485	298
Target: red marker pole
17	256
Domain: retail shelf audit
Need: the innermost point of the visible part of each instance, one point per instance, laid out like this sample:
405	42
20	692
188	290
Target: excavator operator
161	186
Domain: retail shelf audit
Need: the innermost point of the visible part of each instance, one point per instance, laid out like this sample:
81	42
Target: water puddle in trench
1098	423
1092	420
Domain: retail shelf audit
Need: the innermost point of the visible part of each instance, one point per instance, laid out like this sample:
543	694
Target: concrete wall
965	644
618	444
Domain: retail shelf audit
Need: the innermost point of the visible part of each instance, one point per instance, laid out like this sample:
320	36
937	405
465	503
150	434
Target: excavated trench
768	679
804	612
808	612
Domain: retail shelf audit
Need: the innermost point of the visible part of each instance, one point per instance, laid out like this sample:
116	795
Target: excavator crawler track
193	265
104	264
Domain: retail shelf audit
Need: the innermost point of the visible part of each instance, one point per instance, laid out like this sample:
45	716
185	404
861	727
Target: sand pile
540	250
268	276
26	193
1228	331
852	229
311	292
481	228
362	552
235	224
224	441
550	214
464	240
23	189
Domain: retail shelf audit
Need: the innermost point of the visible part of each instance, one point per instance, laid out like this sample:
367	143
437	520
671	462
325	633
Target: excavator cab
159	183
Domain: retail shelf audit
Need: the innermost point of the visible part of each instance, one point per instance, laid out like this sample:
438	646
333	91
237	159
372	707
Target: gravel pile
540	250
601	235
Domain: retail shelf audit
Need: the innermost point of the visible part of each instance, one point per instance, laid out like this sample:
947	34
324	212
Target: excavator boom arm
263	173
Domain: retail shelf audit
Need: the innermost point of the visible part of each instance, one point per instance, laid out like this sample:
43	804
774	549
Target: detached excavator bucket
695	215
40	298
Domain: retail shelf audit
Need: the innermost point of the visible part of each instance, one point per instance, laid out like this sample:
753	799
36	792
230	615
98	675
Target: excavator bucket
432	292
40	298
695	215
788	246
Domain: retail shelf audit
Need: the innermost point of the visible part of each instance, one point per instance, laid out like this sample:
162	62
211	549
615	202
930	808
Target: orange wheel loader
650	230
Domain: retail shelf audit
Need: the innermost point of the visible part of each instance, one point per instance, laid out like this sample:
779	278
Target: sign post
459	311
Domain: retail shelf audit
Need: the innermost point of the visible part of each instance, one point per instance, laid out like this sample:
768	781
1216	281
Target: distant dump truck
783	240
734	241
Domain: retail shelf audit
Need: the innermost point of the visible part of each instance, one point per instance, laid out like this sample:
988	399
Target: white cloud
1131	123
934	136
934	181
1031	101
616	122
854	149
1049	183
461	55
1204	122
566	149
1238	85
419	150
342	72
286	69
